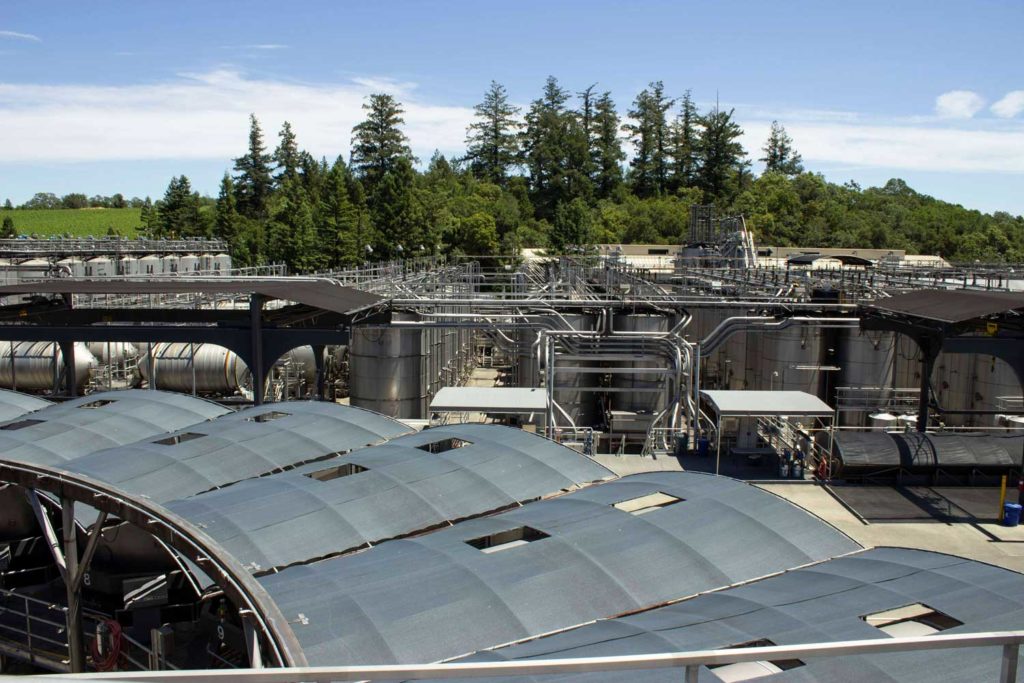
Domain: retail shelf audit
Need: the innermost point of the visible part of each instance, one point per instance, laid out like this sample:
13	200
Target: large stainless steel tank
582	406
387	370
213	369
791	360
997	387
636	395
866	359
34	365
107	352
953	385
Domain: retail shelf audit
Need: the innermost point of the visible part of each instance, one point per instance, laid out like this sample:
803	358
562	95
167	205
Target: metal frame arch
238	584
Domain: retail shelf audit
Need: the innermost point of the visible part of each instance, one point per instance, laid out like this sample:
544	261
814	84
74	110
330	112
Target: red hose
109	661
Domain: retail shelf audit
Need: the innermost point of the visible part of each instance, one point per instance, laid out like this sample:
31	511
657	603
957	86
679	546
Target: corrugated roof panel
14	404
235	447
825	602
293	516
83	425
437	596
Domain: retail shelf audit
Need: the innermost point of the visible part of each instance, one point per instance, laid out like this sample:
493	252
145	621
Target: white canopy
507	400
728	403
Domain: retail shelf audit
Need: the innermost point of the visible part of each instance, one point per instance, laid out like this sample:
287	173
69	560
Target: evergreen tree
779	155
492	140
179	210
719	153
7	204
572	226
649	134
338	226
286	156
8	230
683	137
588	127
606	149
292	235
391	208
253	184
555	151
378	142
227	224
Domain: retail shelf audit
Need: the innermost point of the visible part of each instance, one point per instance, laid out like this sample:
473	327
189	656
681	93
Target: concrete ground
948	520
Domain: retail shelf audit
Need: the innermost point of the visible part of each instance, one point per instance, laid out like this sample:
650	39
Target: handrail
1009	641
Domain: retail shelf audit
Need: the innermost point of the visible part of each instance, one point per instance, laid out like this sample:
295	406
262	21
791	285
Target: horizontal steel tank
34	363
106	352
213	369
388	372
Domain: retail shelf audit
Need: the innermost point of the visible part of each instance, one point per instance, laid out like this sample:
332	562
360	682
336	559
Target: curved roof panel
483	582
14	404
824	602
236	446
926	451
62	432
373	494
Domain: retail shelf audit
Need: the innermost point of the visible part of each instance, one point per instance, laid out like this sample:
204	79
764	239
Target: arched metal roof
236	446
824	602
437	596
928	451
14	404
62	432
393	490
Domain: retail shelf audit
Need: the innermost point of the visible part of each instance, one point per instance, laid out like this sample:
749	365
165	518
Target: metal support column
76	638
928	355
1008	671
256	333
321	374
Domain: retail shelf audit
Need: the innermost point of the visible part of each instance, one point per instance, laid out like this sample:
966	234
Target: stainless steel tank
866	359
213	369
106	352
387	370
636	391
791	360
34	363
953	386
997	387
582	406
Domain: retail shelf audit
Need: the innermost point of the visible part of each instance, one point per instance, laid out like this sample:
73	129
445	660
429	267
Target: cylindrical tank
34	269
636	395
107	352
302	359
128	265
387	370
71	267
953	385
101	266
169	264
866	358
34	363
222	264
791	360
189	263
996	387
150	265
582	406
217	370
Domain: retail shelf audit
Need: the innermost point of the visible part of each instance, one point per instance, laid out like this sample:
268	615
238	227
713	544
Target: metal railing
689	663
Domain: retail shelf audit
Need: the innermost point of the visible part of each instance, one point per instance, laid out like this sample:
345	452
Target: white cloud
256	46
1011	105
204	116
20	36
893	146
958	104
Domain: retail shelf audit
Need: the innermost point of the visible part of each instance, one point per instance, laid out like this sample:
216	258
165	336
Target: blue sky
103	97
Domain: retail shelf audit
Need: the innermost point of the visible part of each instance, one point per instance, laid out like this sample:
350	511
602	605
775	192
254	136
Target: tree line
556	175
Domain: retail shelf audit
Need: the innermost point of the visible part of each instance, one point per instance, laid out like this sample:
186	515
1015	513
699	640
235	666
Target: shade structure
739	403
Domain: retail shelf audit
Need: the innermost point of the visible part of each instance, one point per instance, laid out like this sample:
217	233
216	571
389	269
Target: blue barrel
1011	514
702	446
